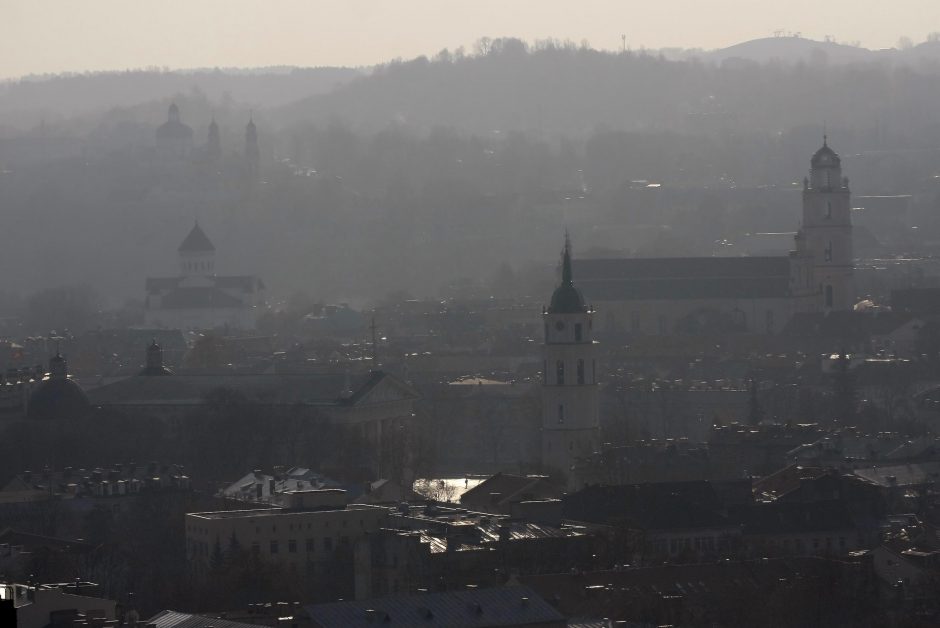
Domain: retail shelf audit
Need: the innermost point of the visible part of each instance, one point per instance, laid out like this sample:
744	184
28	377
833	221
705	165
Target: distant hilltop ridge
792	49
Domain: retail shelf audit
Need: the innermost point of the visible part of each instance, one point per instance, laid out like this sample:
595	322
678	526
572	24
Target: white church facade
198	298
759	295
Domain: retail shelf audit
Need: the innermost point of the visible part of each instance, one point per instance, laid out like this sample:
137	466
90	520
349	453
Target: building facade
198	298
755	295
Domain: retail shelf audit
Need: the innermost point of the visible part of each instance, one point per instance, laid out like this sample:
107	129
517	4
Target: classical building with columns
757	295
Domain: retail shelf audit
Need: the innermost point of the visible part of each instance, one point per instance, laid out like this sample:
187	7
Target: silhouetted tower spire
566	278
252	153
214	144
570	407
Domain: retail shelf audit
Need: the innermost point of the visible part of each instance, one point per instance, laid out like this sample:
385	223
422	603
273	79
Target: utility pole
375	362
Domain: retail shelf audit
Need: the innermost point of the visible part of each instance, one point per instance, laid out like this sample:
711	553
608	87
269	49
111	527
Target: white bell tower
827	230
570	424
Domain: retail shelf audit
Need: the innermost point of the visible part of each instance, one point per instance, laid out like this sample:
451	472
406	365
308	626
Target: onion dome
825	157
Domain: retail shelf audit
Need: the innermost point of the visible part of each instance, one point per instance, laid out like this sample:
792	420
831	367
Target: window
274	547
310	545
581	372
828	210
561	413
328	543
546	331
255	548
560	372
292	546
769	319
545	371
577	332
828	296
635	322
828	252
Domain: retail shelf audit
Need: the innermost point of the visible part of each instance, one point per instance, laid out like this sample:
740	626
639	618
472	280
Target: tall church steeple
570	423
827	229
252	153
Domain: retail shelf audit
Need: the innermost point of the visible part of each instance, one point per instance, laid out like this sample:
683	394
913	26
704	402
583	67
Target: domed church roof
566	299
173	128
825	156
57	396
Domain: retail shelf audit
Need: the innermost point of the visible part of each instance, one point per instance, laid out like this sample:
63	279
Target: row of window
191	266
560	372
274	547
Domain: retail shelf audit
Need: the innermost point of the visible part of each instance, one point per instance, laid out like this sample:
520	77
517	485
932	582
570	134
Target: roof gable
196	242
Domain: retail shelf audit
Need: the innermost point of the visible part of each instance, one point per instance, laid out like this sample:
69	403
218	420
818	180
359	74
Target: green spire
566	279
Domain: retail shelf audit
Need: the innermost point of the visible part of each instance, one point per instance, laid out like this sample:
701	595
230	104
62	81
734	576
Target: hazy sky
38	36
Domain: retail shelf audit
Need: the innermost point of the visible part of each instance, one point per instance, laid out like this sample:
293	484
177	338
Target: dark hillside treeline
22	101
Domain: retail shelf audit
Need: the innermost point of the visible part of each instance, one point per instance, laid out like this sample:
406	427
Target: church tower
570	425
826	232
214	144
252	153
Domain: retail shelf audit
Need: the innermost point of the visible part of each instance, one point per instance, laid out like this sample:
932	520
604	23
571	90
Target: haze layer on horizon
51	36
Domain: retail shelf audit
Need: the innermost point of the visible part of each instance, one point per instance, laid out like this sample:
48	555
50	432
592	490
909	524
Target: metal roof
173	619
503	606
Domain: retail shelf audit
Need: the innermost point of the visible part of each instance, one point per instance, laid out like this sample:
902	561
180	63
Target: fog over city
537	313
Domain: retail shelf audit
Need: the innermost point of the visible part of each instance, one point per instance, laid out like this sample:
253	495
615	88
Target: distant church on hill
665	296
198	298
174	142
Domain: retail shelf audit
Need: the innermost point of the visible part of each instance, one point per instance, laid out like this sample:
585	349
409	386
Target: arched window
577	332
829	296
581	372
560	372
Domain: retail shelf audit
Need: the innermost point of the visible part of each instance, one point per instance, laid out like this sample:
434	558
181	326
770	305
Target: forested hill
76	94
572	91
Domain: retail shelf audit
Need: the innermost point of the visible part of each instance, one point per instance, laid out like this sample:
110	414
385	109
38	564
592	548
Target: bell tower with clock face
570	424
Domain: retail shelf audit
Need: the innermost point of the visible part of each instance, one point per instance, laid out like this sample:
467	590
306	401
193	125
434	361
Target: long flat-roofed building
303	537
